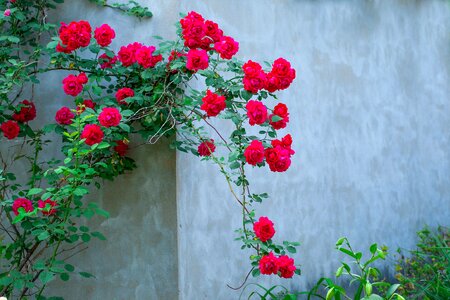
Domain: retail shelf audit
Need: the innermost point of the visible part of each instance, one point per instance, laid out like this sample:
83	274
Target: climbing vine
114	95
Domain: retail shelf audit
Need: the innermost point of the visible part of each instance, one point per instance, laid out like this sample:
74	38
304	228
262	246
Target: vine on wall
112	95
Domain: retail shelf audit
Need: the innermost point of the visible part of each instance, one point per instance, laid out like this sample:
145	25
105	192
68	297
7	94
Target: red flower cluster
136	52
26	113
283	265
256	112
254	77
74	36
279	78
264	229
48	207
200	33
281	111
110	116
122	94
279	155
92	133
64	116
104	35
10	129
73	84
121	148
213	103
26	204
206	148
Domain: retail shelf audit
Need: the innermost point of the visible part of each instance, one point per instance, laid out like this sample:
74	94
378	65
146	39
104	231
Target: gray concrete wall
370	120
370	117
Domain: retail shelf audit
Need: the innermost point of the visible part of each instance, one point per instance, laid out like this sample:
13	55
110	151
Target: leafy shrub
425	273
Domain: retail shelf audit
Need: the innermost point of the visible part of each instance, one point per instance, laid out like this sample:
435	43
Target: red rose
145	57
206	148
110	116
279	156
124	93
10	129
74	36
268	264
256	112
127	54
88	103
73	85
254	153
197	60
93	134
227	47
193	30
264	229
281	111
121	148
26	113
251	69
286	266
281	75
213	34
48	207
64	116
104	35
107	62
285	143
253	84
22	202
213	103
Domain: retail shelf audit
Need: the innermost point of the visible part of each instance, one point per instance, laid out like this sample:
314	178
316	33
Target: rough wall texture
369	115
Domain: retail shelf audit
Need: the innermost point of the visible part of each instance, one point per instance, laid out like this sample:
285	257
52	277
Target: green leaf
69	267
98	235
80	191
86	274
34	191
64	276
46	277
85	237
43	235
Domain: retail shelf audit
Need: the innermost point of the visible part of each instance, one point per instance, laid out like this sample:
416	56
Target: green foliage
131	8
425	272
38	242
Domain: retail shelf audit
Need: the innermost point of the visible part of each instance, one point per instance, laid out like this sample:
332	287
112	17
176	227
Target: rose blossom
278	157
206	148
268	264
256	112
281	75
264	229
64	116
121	148
22	202
104	35
286	266
47	211
281	111
127	54
124	93
227	47
110	116
7	12
254	153
26	113
145	57
10	129
93	134
197	60
74	36
73	85
213	103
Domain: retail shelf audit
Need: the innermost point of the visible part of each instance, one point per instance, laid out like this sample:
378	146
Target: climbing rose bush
115	95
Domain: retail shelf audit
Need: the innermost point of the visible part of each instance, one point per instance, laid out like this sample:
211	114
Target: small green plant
425	273
363	273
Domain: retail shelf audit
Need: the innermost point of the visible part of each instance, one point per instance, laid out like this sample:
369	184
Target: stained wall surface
370	120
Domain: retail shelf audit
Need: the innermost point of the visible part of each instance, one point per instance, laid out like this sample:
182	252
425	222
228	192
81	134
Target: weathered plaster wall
370	119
